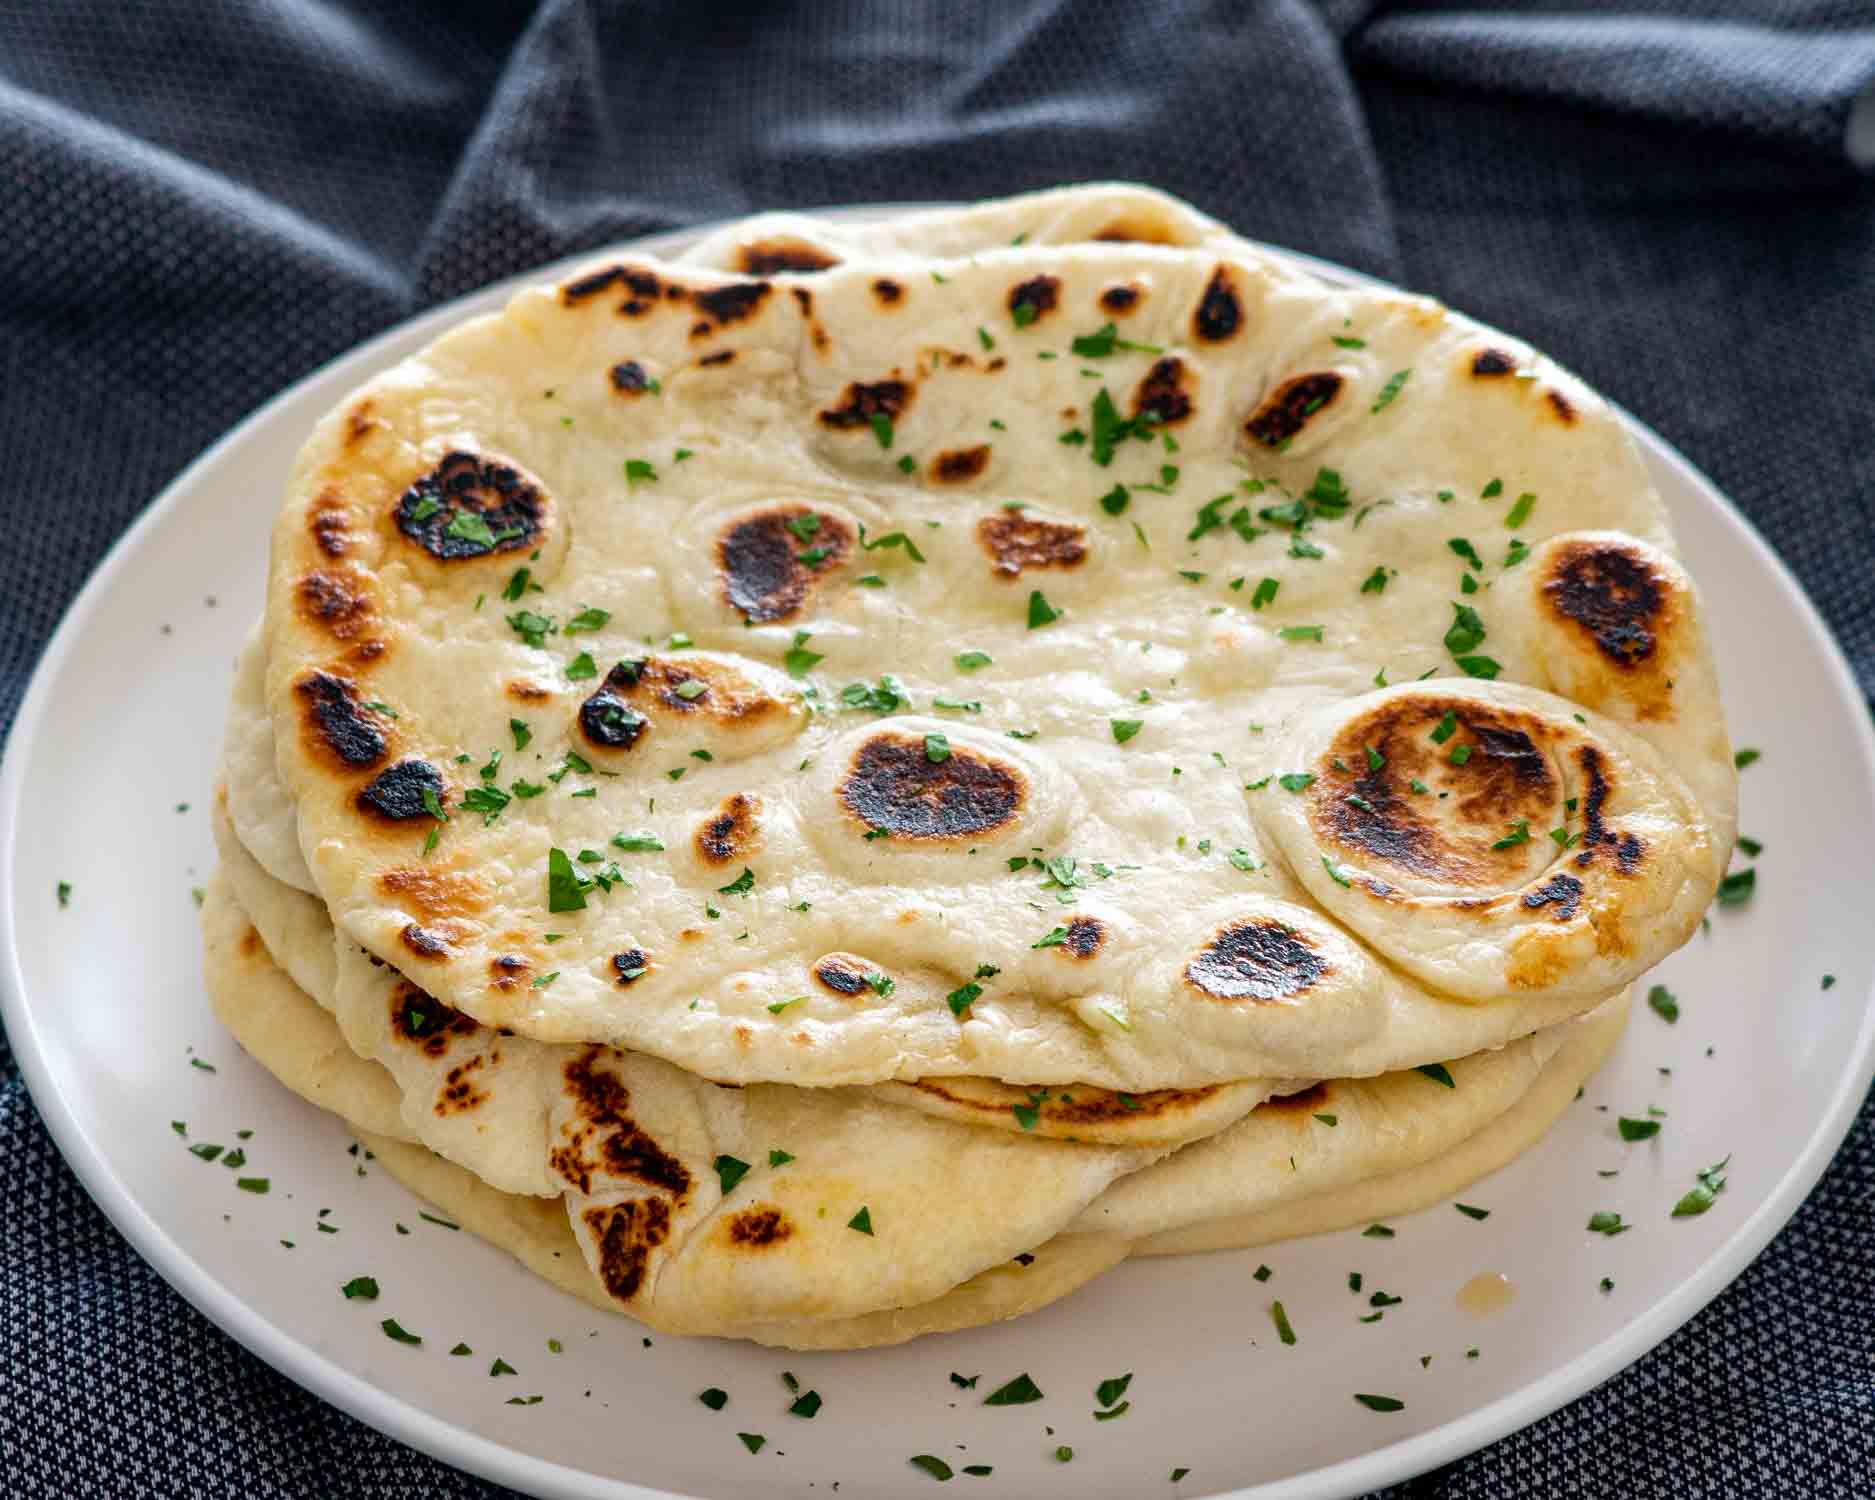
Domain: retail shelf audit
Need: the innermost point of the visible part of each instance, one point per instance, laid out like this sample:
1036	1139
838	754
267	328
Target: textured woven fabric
203	202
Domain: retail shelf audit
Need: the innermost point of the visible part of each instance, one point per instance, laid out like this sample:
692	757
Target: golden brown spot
773	561
1260	960
527	692
960	465
435	891
845	974
424	1022
458	1095
1448	833
1538	958
631	965
1017	542
618	715
1613	593
1220	310
772	257
328	524
862	402
336	723
1288	408
887	291
1138	231
358	422
366	652
250	944
404	792
759	1227
1490	362
732	303
625	1235
733	833
620	1148
423	942
471	505
1562	893
507	970
894	785
720	357
1560	404
1085	937
1120	300
1032	300
629	378
640	283
336	600
1163	395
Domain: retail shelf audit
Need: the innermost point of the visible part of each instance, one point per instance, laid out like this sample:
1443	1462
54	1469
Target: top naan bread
927	667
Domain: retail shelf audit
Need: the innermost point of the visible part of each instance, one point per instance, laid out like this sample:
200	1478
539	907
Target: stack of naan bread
836	787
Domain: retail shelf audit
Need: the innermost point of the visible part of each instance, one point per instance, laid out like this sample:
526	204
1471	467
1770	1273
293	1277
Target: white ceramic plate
105	1007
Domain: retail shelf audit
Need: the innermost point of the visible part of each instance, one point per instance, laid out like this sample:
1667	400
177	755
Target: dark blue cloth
201	203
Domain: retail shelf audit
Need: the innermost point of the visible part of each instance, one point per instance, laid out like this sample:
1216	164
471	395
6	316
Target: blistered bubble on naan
999	577
1489	839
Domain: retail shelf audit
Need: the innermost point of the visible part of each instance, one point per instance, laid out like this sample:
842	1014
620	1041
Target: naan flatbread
675	475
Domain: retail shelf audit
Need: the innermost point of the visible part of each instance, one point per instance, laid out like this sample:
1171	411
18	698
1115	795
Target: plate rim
462	1447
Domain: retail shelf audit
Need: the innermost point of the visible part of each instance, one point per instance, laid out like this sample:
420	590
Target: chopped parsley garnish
1281	1320
1125	729
1301	632
882	429
1041	612
1335	873
729	1172
1110	1391
1460	754
891	539
253	1184
779	1158
740	886
531	627
1018	1392
964	996
1053	938
1711	1182
806	1405
1520	512
937	749
1479	666
1519	834
638	843
930	1463
1492	490
1466	630
888	697
1637	1130
1265	593
566	886
395	1330
1296	781
1103	342
862	1221
1472	1213
1606	1222
1342	342
1745	758
1379	1403
715	1398
1376	581
970	661
361	1288
587	621
638	471
1465	550
1438	1073
1388	392
1262	1273
1376	1232
1736	889
1664	1003
753	1441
